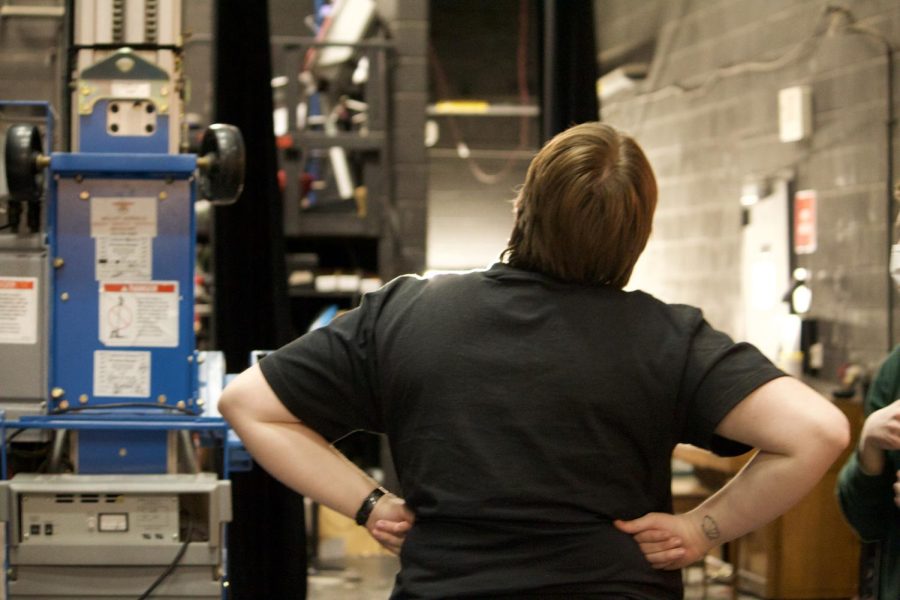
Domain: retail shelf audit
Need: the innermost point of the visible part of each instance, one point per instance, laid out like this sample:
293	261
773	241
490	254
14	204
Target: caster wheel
223	180
24	178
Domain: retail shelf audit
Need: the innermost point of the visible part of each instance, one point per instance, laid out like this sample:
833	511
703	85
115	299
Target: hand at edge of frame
880	433
897	490
882	428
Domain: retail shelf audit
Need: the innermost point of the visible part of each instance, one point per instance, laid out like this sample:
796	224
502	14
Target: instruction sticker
128	258
139	314
121	374
123	88
18	310
129	217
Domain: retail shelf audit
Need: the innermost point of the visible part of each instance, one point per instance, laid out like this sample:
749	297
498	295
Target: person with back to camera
869	483
532	407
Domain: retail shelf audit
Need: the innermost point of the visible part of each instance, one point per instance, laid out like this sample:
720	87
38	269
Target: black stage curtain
267	541
569	65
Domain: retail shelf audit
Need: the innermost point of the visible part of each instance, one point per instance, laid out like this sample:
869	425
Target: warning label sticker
129	258
131	217
121	374
139	313
18	310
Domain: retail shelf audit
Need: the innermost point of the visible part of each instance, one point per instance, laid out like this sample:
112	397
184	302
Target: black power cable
13	214
13	435
124	405
171	568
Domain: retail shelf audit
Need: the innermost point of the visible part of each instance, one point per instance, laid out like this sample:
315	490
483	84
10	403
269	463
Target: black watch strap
362	515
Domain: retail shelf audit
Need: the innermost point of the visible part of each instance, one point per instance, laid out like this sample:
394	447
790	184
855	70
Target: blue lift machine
115	461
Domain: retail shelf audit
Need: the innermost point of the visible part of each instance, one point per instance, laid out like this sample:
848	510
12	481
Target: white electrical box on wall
795	113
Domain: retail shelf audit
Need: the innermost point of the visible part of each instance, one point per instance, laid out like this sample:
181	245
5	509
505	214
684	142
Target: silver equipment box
23	324
109	537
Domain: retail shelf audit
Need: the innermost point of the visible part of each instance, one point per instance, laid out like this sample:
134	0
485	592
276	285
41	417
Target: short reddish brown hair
585	211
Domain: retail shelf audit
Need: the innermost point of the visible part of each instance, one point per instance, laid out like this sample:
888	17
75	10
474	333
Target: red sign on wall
805	222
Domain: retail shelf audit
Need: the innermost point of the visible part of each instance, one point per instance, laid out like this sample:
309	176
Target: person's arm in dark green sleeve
865	485
866	500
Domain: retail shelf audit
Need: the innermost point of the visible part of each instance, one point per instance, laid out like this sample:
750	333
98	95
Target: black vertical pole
549	107
267	542
569	65
250	303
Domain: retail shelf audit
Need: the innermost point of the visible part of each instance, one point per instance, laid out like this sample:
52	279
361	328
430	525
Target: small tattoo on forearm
711	528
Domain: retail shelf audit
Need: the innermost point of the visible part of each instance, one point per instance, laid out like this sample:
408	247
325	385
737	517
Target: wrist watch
365	509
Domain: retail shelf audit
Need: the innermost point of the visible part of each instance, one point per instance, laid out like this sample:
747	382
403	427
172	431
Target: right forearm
799	435
766	488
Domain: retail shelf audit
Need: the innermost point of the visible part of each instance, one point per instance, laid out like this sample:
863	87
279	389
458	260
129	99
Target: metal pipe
59	439
187	445
70	62
43	12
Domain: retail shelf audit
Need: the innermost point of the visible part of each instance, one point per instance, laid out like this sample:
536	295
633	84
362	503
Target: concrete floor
353	579
373	578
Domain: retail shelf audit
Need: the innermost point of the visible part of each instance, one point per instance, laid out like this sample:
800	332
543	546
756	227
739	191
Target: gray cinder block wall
703	143
407	22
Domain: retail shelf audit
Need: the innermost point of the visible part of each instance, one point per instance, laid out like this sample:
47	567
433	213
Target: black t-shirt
524	415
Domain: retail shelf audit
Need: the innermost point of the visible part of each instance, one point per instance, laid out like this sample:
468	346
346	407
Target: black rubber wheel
23	177
223	180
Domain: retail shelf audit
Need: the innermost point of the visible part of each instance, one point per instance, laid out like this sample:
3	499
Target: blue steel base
120	429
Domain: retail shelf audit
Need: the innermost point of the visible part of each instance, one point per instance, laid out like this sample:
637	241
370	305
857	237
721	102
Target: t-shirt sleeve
325	377
718	374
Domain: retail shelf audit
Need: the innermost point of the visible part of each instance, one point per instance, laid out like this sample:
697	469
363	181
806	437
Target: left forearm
304	461
290	451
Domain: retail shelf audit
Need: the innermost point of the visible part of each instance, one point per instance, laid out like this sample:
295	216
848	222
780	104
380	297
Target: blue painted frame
118	421
75	316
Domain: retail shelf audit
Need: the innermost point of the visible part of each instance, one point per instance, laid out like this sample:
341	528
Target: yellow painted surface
341	536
